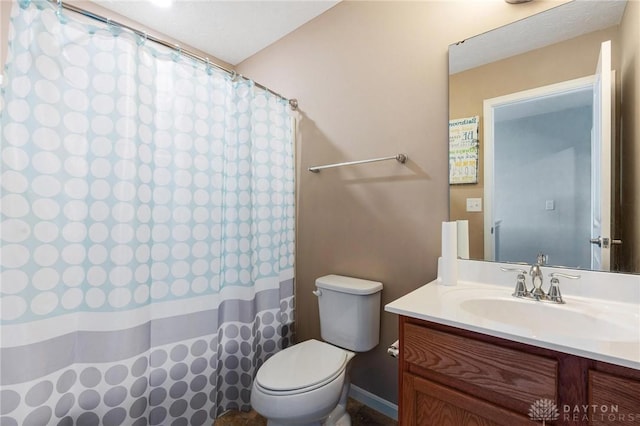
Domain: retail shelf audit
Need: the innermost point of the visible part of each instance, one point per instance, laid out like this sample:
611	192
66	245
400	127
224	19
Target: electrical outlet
549	205
474	204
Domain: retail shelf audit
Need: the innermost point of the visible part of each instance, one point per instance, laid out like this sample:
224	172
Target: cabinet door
426	403
513	378
613	400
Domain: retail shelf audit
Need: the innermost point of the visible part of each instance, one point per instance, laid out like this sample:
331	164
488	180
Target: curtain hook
59	15
114	29
233	75
178	53
142	40
209	70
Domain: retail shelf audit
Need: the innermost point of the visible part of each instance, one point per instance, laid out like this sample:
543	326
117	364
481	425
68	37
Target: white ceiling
549	27
231	30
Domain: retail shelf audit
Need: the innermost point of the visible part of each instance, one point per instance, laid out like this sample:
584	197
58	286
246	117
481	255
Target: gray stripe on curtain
286	288
109	346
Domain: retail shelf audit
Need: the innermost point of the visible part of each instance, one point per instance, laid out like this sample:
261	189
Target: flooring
361	415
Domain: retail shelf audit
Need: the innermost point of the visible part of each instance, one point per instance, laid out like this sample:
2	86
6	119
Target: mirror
537	184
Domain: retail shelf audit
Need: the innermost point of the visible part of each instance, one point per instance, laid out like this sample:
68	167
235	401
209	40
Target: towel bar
400	158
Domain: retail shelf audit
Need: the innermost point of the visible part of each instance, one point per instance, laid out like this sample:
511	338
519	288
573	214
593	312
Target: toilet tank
349	311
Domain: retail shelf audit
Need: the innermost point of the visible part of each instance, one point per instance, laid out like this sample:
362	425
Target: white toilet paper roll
463	239
448	274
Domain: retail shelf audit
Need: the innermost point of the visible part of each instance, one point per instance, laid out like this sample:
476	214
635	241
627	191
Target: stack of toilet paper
455	244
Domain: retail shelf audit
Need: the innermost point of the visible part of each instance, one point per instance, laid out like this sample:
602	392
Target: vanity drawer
480	368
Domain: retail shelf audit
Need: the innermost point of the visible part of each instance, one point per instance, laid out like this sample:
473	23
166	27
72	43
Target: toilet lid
301	366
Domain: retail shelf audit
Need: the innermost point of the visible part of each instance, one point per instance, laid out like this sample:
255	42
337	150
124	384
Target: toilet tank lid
350	285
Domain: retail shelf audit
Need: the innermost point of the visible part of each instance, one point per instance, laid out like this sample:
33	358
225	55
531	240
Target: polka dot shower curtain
147	226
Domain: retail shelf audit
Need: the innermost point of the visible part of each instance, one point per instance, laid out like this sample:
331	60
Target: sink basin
573	321
600	319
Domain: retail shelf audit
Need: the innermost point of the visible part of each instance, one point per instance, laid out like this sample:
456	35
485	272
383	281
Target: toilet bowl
304	385
307	384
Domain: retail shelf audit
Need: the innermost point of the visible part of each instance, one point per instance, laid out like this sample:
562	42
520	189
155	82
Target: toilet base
338	417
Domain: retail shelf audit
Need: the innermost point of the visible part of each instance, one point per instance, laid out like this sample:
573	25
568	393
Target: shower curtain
147	229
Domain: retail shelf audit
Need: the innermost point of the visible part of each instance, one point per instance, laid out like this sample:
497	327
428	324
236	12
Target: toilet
307	384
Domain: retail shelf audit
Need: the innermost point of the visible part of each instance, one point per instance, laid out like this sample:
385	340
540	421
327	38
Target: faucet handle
518	270
554	288
563	275
521	286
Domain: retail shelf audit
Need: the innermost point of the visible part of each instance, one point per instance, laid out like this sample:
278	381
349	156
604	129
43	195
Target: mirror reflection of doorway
547	171
542	175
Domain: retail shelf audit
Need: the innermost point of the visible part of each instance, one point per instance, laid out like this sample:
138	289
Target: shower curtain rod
293	103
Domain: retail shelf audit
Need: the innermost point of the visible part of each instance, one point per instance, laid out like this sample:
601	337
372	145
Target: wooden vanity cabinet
611	390
450	376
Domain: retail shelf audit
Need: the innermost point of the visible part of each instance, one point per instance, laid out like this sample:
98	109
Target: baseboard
374	401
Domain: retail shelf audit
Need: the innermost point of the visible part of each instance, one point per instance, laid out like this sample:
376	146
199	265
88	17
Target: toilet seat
301	368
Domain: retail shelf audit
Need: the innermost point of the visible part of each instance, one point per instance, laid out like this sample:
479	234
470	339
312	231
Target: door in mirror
601	161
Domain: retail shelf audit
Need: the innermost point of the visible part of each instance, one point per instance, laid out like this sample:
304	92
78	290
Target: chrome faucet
537	279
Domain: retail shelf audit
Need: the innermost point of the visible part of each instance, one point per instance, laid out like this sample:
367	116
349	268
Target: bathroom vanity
574	364
471	354
450	376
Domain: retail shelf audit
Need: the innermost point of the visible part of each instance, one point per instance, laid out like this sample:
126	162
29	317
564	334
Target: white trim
487	111
374	402
488	122
605	87
38	330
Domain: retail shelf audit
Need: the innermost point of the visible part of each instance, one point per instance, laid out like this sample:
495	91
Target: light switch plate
474	204
549	205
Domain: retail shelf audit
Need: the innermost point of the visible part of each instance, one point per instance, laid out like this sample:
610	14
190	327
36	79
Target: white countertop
597	337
